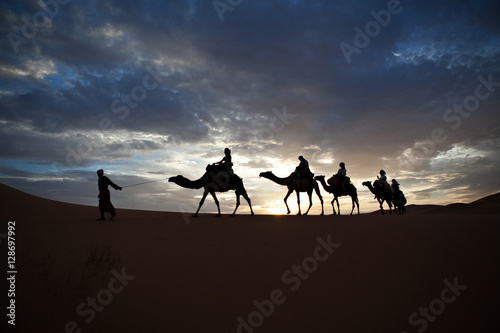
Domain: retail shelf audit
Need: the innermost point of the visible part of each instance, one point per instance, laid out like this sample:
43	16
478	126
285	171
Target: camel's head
367	183
265	174
174	179
319	177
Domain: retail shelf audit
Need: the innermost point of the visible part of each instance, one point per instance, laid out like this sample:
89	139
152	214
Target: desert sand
435	269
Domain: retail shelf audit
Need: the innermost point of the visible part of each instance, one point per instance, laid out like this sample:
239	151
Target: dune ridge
15	200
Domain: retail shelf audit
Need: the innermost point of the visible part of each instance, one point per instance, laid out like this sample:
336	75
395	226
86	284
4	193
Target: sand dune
434	270
486	205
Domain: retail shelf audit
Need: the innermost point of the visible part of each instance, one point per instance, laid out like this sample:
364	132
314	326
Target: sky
152	89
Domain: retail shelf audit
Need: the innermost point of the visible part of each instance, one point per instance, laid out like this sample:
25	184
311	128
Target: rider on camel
395	186
383	181
302	170
341	175
225	164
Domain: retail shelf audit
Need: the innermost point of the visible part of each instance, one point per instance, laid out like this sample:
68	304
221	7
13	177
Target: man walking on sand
104	196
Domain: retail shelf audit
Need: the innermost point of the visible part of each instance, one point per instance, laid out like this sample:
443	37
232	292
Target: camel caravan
219	177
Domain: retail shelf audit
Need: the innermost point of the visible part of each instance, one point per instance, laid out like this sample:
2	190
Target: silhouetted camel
294	183
398	198
381	194
213	181
337	192
399	202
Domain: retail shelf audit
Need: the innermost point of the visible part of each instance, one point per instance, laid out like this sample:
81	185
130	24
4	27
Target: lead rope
152	181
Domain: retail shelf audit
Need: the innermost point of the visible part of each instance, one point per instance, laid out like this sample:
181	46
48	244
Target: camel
294	183
215	181
399	202
380	194
337	192
398	198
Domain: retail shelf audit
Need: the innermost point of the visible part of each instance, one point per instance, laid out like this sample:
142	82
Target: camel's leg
316	189
357	204
335	199
286	198
309	193
237	203
216	202
338	205
245	195
298	202
389	203
201	203
353	205
381	203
